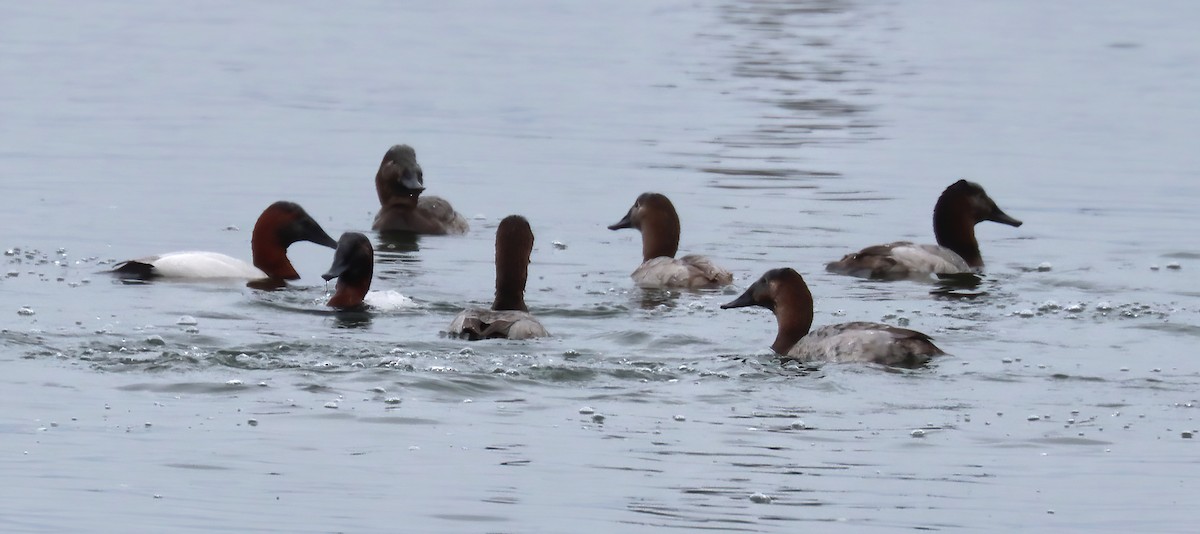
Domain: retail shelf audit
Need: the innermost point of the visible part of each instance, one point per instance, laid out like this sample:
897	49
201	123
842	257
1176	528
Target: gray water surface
786	133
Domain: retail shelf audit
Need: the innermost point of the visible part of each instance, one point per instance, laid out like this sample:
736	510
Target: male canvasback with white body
399	183
654	216
960	207
354	266
509	317
784	292
280	225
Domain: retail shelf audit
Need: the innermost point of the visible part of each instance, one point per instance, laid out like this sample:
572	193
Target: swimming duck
399	184
784	292
960	207
280	225
654	216
509	317
353	266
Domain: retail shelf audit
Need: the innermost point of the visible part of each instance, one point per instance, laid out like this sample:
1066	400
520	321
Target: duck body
784	292
961	206
509	317
864	342
280	225
399	184
654	216
479	323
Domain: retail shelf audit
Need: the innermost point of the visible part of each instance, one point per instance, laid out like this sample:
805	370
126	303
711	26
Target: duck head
514	245
654	216
353	266
960	207
280	225
784	292
400	180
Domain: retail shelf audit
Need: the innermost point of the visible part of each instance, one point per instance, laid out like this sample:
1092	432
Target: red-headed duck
960	207
353	265
509	317
399	184
280	225
784	292
654	216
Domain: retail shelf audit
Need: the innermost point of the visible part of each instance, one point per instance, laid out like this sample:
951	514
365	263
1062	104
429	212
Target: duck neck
511	273
660	236
269	256
794	313
954	227
349	294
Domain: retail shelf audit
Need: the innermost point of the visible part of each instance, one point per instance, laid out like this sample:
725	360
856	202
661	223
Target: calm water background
787	133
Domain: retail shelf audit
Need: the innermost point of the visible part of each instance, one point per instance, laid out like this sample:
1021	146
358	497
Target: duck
399	183
784	292
960	207
654	216
280	225
508	317
354	266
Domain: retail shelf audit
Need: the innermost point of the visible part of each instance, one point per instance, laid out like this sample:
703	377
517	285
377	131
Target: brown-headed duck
960	207
654	216
509	317
399	184
784	292
353	266
280	225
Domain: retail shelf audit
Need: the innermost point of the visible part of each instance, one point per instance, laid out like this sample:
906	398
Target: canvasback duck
509	317
399	184
280	225
960	207
654	216
353	266
784	292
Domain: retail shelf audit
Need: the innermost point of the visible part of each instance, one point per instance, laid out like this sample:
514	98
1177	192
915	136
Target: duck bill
625	222
747	299
306	229
999	216
341	264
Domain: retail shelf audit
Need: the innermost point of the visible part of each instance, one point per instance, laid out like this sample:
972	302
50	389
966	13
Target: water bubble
1186	435
1049	305
587	410
761	498
332	405
1075	308
798	425
1103	306
156	340
1044	266
598	418
392	400
1025	313
233	382
377	389
186	320
559	245
902	321
917	433
1175	266
1153	267
680	418
13	273
25	311
1033	418
252	422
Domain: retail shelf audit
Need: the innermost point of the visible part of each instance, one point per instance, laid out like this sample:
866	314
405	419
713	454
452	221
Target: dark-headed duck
353	266
280	225
960	207
509	317
399	184
654	216
784	292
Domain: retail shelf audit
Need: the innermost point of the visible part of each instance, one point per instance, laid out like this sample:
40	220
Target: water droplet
252	422
25	311
559	245
761	498
917	433
1044	266
680	418
1175	266
186	320
587	410
1033	418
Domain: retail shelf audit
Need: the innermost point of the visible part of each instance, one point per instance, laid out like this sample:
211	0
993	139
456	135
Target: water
785	133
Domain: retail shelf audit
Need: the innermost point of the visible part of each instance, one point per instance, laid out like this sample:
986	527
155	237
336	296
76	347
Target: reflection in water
352	319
